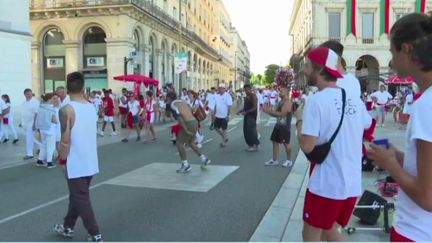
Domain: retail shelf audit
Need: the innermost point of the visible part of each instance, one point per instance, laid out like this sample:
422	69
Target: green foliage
270	74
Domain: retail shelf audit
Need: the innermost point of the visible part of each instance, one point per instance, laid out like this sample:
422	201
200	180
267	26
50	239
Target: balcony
146	6
367	40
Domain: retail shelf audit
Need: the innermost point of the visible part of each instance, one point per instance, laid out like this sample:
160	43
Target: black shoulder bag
320	152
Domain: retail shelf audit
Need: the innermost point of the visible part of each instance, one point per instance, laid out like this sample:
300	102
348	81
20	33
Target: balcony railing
145	5
367	41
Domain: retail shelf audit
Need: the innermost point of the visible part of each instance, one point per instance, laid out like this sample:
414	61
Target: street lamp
125	63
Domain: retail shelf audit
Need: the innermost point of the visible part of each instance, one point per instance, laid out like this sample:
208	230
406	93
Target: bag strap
341	120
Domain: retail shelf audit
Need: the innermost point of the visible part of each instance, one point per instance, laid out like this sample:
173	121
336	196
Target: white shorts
108	119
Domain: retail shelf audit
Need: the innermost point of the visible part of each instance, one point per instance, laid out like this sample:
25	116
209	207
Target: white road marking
270	122
2	221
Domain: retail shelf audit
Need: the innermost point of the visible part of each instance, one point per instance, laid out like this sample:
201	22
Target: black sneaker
95	238
138	138
124	140
15	141
40	163
51	165
63	231
6	140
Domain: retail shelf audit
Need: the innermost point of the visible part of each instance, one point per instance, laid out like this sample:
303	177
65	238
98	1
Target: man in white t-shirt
64	97
211	103
382	99
3	107
29	110
223	101
334	184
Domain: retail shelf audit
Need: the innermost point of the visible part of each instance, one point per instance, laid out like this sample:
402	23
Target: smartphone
382	142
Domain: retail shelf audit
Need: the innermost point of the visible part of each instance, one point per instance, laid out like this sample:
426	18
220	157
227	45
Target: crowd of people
330	126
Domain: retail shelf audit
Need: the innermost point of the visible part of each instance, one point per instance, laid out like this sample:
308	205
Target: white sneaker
200	138
271	163
287	163
113	134
199	145
101	133
259	136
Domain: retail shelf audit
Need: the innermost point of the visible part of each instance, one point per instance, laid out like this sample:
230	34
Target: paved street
139	197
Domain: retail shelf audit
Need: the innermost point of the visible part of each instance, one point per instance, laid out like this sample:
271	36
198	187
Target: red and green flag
351	17
385	16
421	6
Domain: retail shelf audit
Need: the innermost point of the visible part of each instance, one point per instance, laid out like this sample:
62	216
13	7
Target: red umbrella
139	79
398	80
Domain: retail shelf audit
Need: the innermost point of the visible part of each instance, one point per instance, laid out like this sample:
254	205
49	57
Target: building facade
113	37
240	74
361	26
15	41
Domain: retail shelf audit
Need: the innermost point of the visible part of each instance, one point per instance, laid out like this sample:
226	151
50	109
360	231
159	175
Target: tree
256	79
270	74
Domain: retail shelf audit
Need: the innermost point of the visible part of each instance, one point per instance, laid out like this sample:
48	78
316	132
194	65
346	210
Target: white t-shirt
134	107
382	97
96	103
223	103
122	99
260	98
7	105
339	176
28	111
65	102
411	220
2	105
211	101
408	103
350	84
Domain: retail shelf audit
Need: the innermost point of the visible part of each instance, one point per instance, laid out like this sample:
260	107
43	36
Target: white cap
222	85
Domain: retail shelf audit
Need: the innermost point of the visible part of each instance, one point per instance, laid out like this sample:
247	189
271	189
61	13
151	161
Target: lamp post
125	63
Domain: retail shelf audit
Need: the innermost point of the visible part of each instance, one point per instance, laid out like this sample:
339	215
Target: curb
280	221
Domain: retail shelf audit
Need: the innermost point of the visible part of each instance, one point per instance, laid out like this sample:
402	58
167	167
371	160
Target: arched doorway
94	59
54	71
151	57
164	54
367	71
137	50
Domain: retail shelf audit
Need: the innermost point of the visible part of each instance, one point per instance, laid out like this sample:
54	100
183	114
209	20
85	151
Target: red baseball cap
326	57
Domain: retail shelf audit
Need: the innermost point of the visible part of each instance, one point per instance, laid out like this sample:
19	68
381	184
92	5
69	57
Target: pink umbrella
398	80
139	79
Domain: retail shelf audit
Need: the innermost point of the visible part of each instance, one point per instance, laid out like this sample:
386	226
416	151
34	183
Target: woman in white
149	115
161	108
195	103
410	40
8	121
133	118
46	121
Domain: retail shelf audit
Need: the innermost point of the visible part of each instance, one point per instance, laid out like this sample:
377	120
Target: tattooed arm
67	119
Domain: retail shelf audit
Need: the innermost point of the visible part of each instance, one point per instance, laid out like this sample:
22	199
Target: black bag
369	216
320	152
367	164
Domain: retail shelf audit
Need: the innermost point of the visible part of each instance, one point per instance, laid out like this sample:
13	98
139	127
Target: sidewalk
12	154
283	221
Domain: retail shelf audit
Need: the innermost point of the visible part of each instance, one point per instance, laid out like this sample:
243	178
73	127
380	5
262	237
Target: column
73	57
117	50
37	67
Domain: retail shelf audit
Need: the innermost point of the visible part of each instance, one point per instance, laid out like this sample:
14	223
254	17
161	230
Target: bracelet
298	122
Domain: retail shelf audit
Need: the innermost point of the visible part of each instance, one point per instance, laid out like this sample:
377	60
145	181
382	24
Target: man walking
382	99
335	183
282	130
29	110
64	97
249	112
223	101
78	158
189	127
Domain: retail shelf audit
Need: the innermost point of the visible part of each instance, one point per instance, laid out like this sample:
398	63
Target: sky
264	26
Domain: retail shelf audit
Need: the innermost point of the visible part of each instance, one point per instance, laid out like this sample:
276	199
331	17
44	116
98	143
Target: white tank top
83	159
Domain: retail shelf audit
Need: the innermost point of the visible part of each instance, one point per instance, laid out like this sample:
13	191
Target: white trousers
47	147
10	128
30	140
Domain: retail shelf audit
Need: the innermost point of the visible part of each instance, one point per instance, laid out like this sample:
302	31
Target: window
399	16
368	28
334	26
165	6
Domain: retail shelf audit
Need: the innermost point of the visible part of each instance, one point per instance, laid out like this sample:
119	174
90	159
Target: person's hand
299	113
266	108
382	157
